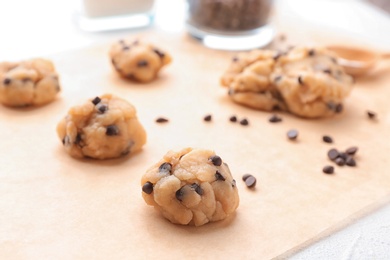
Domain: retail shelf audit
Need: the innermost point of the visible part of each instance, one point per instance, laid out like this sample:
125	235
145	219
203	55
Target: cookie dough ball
248	80
311	82
137	60
26	83
102	128
191	187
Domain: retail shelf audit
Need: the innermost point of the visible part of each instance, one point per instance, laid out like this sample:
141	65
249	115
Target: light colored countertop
43	27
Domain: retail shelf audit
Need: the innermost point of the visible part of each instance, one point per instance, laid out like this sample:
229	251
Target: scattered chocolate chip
207	118
351	150
327	71
147	187
277	78
328	169
219	176
197	188
125	48
300	80
234	59
340	161
275	119
245	176
370	114
165	168
233	119
312	52
102	109
292	134
159	53
327	139
216	160
333	154
343	155
7	81
339	108
142	63
179	194
250	182
112	130
161	120
244	122
96	101
350	161
234	183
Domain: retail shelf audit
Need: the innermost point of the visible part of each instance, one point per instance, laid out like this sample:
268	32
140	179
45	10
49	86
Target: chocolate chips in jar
229	15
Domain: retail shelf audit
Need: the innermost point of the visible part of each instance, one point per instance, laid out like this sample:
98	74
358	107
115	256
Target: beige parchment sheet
55	207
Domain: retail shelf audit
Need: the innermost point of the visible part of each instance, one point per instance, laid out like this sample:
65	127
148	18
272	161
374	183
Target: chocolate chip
219	176
234	183
142	63
245	176
244	122
125	48
216	160
343	155
328	169
275	119
207	118
78	138
312	52
333	154
112	130
102	109
327	139
340	161
370	114
96	101
161	120
300	80
233	119
277	78
159	53
179	194
350	161
165	168
351	150
235	59
292	134
66	140
327	71
339	108
147	187
250	182
7	81
197	188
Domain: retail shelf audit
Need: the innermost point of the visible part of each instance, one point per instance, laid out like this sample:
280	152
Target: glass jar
230	24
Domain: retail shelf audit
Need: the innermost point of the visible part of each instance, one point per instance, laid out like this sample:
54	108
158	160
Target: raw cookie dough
137	60
102	128
248	80
26	83
191	187
308	82
311	82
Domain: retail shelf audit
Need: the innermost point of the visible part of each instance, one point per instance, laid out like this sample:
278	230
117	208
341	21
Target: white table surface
41	27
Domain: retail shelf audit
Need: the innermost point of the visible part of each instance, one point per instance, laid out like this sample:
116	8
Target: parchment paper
53	206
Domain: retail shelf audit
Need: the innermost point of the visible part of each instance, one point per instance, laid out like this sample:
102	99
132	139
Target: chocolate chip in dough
216	160
148	187
207	118
292	134
165	168
96	100
112	130
219	176
327	139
